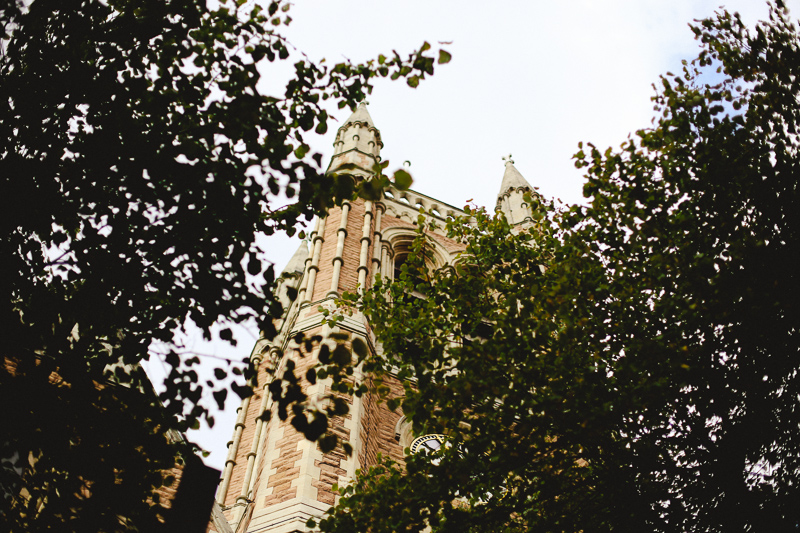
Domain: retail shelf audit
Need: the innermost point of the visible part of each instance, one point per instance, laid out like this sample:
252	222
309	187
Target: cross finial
508	159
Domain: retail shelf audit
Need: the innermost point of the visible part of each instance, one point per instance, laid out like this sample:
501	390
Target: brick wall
287	453
377	429
331	463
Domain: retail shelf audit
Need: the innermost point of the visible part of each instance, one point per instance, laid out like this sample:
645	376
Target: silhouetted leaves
139	163
219	397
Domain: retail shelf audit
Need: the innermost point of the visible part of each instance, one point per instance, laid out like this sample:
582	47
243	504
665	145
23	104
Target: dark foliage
138	163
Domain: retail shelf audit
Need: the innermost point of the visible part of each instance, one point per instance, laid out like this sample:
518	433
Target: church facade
274	480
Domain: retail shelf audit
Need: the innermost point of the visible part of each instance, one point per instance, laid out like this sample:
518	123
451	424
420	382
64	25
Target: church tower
274	480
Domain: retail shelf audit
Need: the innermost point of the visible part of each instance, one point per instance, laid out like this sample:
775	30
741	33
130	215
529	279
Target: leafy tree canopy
647	376
139	161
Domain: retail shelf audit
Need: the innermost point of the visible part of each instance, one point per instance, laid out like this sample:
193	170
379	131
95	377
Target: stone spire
510	199
357	146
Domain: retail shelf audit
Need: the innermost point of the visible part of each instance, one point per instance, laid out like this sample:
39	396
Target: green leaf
327	443
360	348
341	355
227	335
219	397
324	354
402	179
340	407
301	151
444	57
253	266
291	293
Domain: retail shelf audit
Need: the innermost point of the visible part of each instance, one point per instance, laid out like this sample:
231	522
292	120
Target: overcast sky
530	78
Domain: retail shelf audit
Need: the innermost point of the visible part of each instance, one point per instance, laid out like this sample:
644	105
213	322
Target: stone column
233	449
338	259
376	242
385	261
363	259
313	268
244	494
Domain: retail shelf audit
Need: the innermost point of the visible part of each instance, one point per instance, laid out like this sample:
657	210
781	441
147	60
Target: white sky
531	78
